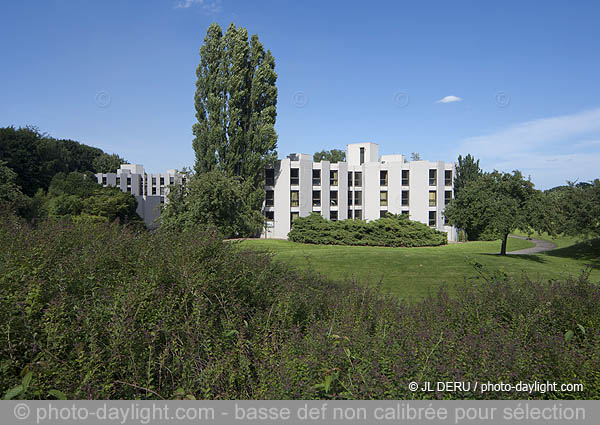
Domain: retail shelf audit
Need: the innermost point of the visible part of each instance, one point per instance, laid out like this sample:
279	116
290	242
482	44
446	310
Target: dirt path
540	246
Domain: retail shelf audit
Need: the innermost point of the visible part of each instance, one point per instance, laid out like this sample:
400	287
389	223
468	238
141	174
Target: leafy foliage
106	163
100	311
392	230
576	209
496	204
333	156
213	199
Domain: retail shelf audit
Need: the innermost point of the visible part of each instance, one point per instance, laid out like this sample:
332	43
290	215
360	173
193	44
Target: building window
432	218
128	181
432	198
349	178
153	181
316	198
383	214
118	181
405	198
358	215
333	216
293	216
129	189
333	198
162	181
333	178
432	177
162	199
349	197
270	215
362	156
270	177
294	176
405	212
383	178
269	198
405	177
154	190
383	198
316	177
171	180
349	214
447	197
448	177
358	197
294	198
104	180
358	178
162	191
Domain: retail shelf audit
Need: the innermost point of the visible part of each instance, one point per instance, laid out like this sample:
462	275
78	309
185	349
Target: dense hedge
101	311
393	230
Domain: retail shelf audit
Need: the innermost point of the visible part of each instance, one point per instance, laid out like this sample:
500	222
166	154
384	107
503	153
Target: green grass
415	272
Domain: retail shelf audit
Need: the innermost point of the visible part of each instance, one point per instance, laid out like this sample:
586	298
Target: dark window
405	177
270	215
269	198
333	198
358	215
294	176
405	212
270	177
333	177
432	218
448	177
316	198
129	181
447	197
383	198
350	214
333	216
362	156
383	213
349	197
358	178
405	198
153	181
129	189
432	198
154	190
162	199
316	177
349	178
162	181
171	180
383	178
104	180
358	197
118	181
294	198
432	177
293	216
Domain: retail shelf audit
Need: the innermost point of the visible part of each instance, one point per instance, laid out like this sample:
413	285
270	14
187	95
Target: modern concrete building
150	190
364	187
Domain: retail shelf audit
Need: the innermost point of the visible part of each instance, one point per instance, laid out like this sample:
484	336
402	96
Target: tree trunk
503	249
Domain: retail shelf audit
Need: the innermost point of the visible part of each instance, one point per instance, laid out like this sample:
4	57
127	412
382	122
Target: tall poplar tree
235	102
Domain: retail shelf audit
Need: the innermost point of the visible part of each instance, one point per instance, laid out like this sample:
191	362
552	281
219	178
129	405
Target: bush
101	311
392	230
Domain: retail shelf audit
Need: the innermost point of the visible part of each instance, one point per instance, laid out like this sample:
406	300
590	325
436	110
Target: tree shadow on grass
536	257
587	251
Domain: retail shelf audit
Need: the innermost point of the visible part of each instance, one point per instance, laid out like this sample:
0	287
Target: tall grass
102	311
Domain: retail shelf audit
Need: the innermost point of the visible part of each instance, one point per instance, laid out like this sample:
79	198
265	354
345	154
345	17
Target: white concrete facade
365	187
150	190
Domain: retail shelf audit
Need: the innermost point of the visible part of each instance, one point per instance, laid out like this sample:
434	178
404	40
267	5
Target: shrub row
101	311
392	230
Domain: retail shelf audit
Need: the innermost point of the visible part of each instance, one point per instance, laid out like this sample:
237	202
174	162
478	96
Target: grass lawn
415	272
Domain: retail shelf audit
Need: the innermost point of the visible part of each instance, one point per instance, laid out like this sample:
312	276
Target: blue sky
517	84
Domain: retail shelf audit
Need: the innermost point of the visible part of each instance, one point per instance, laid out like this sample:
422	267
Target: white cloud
211	6
449	99
551	149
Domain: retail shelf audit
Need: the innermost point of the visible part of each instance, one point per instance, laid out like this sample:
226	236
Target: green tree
577	208
11	196
497	204
235	103
212	199
415	156
467	170
333	156
106	163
